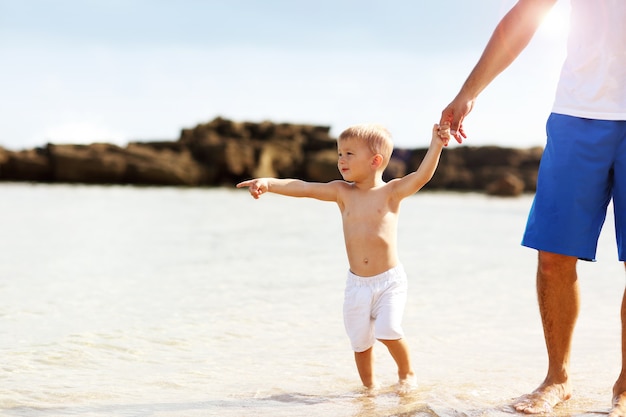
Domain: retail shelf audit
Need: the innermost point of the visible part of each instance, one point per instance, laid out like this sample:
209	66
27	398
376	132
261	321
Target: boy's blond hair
377	137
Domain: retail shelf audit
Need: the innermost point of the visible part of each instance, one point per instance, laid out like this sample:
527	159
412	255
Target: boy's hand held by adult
442	133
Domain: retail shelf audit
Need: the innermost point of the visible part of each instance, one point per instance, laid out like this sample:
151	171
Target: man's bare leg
619	389
558	297
365	365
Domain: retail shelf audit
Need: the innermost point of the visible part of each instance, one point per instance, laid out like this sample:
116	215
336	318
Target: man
583	167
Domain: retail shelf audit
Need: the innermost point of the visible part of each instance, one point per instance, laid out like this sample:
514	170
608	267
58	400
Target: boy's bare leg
399	351
558	296
619	389
365	365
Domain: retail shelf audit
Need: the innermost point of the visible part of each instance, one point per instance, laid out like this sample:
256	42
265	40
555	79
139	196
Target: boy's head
376	137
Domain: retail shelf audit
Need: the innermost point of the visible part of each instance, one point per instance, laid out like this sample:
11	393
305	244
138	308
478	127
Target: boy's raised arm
413	182
292	188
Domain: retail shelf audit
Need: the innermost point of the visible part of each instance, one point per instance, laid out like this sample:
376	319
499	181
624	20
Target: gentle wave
121	301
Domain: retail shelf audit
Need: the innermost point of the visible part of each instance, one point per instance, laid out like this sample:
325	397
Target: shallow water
122	301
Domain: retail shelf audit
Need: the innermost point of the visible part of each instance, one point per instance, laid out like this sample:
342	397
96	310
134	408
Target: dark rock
92	164
279	158
27	165
321	166
508	185
148	166
101	163
4	158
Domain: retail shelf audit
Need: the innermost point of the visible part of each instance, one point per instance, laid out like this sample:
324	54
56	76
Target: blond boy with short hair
376	287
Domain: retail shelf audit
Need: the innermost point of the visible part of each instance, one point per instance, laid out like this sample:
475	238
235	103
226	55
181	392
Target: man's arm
292	188
509	39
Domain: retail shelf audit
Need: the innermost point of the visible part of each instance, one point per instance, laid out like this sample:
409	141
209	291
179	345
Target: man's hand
454	115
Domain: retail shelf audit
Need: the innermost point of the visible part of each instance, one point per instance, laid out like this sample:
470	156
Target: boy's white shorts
373	307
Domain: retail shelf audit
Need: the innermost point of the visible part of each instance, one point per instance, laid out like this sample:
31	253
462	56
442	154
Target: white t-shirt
593	78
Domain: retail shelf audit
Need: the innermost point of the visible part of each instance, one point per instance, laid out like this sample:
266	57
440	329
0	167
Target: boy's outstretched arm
292	188
413	182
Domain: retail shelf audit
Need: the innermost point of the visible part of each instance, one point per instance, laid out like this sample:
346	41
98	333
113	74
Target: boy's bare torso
370	220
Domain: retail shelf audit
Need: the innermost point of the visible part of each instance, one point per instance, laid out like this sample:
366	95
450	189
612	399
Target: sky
83	71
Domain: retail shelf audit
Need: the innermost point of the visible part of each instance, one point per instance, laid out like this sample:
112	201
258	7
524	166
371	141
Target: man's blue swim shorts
582	169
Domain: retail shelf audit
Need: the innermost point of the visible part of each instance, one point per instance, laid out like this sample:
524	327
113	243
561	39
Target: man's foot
619	406
543	399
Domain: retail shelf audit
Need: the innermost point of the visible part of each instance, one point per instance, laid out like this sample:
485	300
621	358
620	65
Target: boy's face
355	159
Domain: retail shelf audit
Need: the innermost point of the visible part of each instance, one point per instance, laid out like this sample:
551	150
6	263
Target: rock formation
224	152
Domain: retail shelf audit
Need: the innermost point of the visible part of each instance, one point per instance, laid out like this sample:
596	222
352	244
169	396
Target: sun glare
556	22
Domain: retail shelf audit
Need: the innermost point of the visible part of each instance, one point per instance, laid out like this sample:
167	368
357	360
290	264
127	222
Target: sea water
125	301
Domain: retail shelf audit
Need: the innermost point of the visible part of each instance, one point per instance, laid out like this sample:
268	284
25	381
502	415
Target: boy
376	287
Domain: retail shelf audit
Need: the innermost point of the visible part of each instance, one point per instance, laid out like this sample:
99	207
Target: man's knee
554	264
